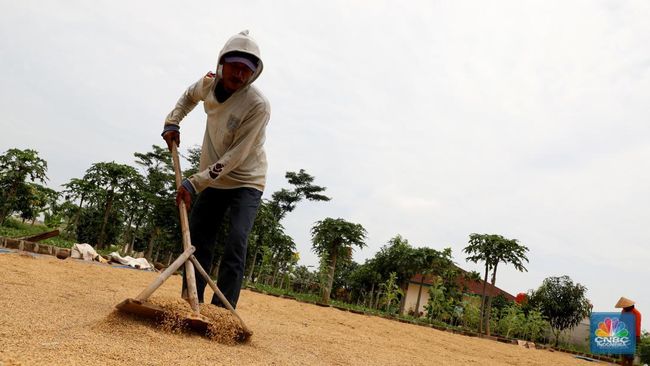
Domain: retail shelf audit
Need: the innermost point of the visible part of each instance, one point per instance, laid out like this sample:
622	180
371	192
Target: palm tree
493	249
333	239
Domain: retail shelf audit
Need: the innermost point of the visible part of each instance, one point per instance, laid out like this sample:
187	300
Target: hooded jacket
232	155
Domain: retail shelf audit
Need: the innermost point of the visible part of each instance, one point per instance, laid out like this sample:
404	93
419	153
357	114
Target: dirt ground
61	312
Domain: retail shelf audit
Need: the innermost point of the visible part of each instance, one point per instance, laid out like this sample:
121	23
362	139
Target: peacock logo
612	333
612	327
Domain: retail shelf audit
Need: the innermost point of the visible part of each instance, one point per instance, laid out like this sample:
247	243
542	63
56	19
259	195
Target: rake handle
218	292
144	295
190	277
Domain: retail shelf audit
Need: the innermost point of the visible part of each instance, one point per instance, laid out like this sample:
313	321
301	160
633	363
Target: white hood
242	42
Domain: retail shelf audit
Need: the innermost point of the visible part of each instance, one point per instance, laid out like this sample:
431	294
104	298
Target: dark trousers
208	211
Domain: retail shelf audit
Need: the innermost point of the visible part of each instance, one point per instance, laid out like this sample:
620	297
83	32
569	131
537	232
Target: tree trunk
377	298
107	211
4	209
250	272
75	221
137	226
402	300
330	278
372	293
152	240
281	281
275	273
489	301
129	231
169	258
480	323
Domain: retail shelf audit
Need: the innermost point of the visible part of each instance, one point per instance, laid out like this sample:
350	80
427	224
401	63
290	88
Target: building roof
473	287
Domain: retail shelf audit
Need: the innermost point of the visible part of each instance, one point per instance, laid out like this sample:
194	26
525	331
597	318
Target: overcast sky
428	119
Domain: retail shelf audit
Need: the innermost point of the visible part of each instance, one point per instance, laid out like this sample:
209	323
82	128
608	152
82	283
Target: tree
363	281
332	240
77	189
562	302
285	200
267	236
112	179
34	200
429	261
644	348
16	167
438	306
392	291
194	158
397	256
492	250
342	284
400	257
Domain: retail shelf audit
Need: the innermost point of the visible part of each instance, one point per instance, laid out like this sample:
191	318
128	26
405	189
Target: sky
428	119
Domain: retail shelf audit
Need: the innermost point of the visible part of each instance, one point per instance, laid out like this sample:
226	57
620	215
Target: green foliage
15	229
512	322
285	200
112	181
304	280
491	250
500	302
471	312
644	348
333	240
515	323
17	169
535	326
391	293
439	306
562	302
194	158
91	219
35	199
342	284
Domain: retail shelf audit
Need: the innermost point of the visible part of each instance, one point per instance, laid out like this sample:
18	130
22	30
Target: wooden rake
194	320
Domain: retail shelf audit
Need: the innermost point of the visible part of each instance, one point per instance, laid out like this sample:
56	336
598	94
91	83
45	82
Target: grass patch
13	228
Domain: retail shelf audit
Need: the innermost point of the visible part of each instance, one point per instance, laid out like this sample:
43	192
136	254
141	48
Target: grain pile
223	328
55	312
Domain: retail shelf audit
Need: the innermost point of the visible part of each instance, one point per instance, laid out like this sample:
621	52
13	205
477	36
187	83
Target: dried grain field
60	312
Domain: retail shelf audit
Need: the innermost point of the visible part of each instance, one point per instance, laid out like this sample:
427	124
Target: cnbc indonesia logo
612	334
612	331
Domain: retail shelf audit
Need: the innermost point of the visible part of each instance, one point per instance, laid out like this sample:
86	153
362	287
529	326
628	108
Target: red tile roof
473	287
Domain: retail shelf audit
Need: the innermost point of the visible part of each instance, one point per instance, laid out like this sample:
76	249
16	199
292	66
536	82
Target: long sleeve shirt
232	154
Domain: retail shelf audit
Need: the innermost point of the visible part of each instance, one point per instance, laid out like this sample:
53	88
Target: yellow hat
624	302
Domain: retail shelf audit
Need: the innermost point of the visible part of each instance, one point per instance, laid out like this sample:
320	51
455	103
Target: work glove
171	136
185	193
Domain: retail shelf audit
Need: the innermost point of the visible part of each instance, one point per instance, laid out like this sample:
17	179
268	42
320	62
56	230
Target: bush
471	312
644	348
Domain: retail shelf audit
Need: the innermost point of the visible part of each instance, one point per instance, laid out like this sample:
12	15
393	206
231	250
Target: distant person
232	168
628	307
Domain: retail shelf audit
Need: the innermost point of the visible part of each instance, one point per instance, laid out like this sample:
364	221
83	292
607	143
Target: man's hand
183	195
172	137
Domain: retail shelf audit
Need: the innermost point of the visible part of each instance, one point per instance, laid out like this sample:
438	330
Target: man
232	168
628	307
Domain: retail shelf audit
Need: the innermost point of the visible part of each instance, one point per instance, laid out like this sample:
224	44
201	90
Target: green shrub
644	348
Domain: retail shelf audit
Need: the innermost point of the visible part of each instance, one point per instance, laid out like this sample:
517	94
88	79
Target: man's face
235	75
